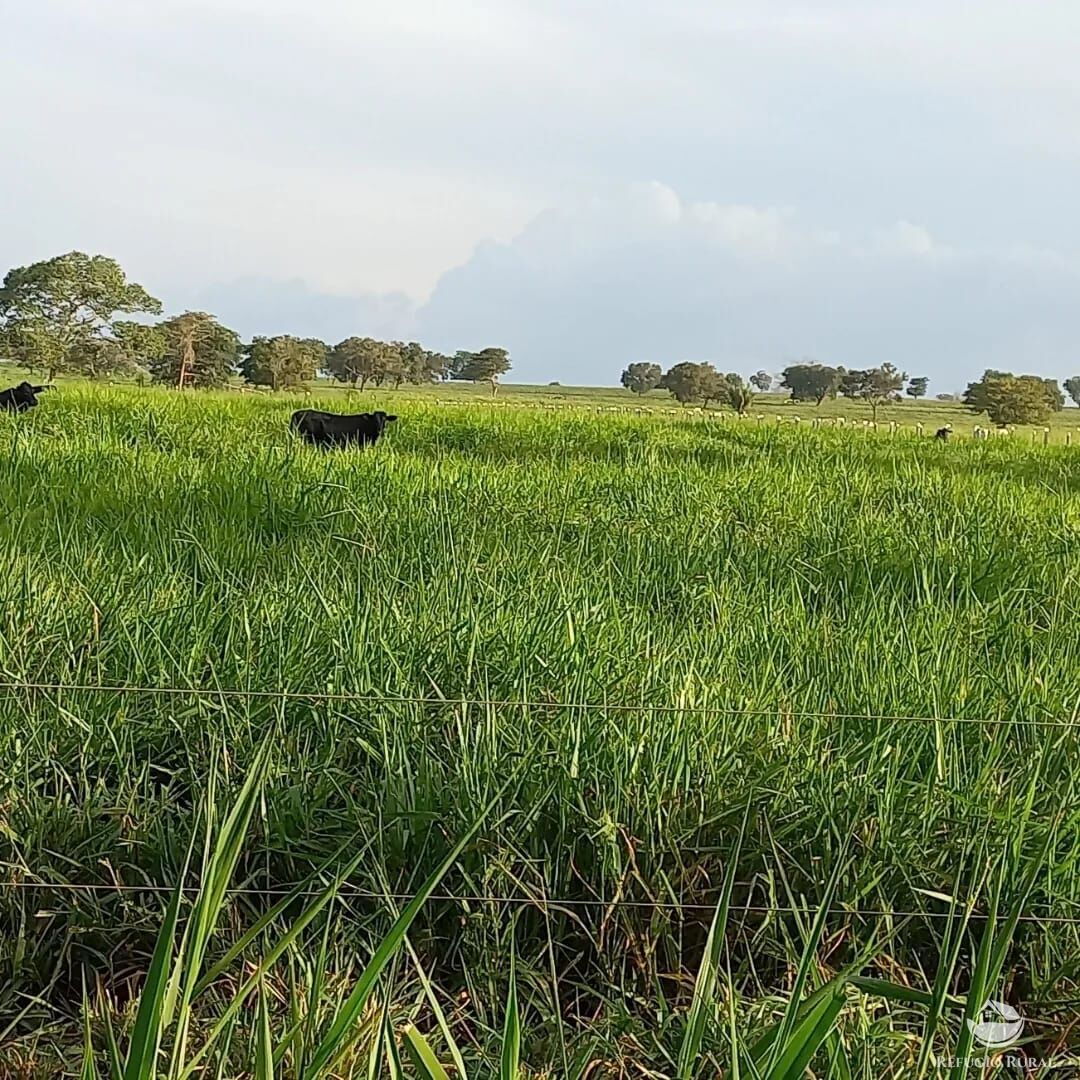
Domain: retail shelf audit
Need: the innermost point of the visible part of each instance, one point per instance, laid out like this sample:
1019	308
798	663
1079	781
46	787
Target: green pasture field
776	406
864	642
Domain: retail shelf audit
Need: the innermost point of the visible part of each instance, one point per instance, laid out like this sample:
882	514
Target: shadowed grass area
150	538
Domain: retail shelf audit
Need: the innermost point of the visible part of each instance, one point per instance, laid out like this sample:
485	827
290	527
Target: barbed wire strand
537	901
373	698
388	699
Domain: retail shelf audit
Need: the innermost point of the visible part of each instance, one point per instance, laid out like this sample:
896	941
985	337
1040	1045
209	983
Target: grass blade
264	1049
146	1037
705	984
344	1024
89	1066
422	1056
511	1036
802	1042
437	1012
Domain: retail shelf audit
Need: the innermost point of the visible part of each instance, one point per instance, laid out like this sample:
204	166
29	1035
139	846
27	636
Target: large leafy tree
1072	388
483	366
739	393
917	387
360	360
875	386
761	380
684	381
395	368
641	377
811	382
1013	399
438	366
58	315
420	365
196	351
1054	396
688	382
139	344
282	362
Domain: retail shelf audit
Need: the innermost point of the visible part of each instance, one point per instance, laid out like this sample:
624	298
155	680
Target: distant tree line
702	383
64	315
691	383
1004	397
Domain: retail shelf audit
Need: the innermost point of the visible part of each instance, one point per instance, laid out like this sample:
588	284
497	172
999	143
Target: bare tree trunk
187	351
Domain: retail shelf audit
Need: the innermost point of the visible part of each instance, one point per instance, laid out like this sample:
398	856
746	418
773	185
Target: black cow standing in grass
942	434
20	398
327	430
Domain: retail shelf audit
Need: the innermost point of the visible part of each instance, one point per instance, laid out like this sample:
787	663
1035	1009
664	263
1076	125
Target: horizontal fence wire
373	698
347	891
376	698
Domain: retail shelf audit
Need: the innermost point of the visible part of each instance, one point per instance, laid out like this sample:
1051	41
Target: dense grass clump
869	645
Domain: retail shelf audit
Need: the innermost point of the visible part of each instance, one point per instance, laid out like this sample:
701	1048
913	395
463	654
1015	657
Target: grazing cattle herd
329	431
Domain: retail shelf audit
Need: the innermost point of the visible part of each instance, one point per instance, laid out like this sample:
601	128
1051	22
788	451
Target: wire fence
344	891
362	697
299	891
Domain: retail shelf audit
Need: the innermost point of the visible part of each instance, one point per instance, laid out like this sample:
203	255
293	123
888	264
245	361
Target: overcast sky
586	183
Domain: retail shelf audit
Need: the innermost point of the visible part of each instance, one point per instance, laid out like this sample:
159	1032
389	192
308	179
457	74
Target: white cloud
747	230
647	275
905	239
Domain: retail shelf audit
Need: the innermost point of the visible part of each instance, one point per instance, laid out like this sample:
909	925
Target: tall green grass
316	1047
553	558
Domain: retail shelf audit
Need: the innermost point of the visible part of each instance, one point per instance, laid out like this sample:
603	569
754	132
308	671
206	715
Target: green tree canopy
1072	388
641	377
282	362
361	361
688	382
917	387
1013	399
811	382
875	386
395	368
739	393
761	380
1054	395
196	350
58	315
483	366
421	366
141	343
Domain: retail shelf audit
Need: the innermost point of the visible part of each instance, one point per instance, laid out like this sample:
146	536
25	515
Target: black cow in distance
328	430
20	398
